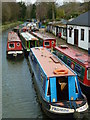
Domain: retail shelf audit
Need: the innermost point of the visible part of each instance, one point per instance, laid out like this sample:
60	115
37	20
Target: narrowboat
57	85
45	40
28	41
16	29
78	62
14	46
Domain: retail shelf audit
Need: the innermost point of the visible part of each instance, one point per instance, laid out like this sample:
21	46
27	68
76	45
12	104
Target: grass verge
10	25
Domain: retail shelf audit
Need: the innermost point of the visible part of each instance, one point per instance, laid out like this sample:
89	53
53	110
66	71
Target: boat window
32	44
62	88
76	87
46	43
48	91
88	73
78	69
52	42
28	44
18	44
11	45
69	62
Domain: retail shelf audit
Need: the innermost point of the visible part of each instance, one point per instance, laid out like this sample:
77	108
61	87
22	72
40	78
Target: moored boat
14	46
45	40
79	62
57	85
28	41
16	29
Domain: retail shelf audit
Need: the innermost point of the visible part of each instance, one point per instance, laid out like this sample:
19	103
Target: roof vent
78	54
63	46
55	59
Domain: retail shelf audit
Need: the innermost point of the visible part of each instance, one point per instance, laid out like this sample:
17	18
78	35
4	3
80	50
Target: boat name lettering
59	109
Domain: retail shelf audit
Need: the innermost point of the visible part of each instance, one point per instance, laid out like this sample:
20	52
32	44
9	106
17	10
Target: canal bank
10	25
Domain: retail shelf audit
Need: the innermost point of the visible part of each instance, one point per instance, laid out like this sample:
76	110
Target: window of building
70	33
82	34
89	36
64	32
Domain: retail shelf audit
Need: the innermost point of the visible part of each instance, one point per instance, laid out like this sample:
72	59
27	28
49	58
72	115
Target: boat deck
74	54
43	36
12	36
49	62
28	36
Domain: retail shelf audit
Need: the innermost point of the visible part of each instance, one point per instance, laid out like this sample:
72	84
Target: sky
57	1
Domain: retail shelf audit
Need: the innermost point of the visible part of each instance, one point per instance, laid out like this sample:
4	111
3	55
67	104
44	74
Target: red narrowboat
45	40
14	46
79	62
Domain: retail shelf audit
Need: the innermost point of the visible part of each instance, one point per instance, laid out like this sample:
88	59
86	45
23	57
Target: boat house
78	31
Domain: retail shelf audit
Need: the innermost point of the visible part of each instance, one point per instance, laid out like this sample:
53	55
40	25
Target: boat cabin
45	40
58	81
28	41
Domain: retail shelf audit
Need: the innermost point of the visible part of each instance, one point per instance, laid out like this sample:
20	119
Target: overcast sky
58	1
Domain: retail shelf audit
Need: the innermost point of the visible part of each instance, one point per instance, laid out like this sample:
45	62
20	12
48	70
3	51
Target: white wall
70	40
60	29
82	44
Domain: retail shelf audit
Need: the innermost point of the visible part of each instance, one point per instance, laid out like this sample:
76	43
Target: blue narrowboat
57	85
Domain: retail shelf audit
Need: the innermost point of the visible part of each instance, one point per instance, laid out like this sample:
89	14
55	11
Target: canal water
19	99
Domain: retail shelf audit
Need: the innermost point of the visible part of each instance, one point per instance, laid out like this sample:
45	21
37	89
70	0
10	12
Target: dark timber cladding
49	62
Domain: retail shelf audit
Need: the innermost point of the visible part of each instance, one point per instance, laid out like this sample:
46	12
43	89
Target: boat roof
12	36
43	36
74	54
28	36
49	62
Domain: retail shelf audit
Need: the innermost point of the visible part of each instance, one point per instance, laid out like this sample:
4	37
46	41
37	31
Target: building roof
50	62
81	20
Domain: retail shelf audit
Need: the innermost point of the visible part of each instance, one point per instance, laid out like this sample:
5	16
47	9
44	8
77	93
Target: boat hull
45	106
26	53
86	90
15	54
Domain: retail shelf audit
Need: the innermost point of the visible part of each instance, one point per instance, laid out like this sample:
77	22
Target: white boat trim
83	108
15	52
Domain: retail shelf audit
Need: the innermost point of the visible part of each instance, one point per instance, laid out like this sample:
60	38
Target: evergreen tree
33	11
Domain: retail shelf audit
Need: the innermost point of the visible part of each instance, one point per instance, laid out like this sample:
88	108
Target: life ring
60	71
